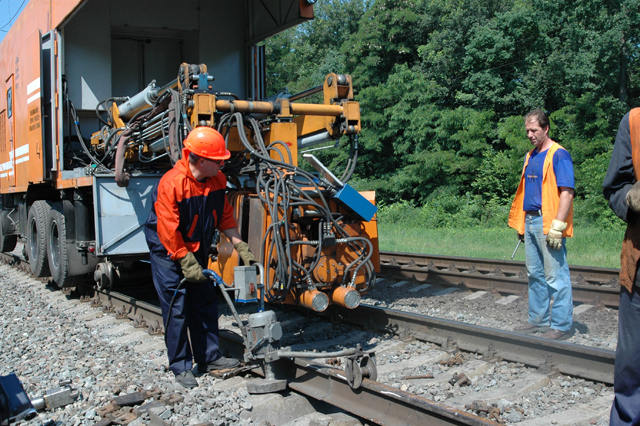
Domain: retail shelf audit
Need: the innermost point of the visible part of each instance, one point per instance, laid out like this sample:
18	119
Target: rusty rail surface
590	285
568	358
375	401
392	406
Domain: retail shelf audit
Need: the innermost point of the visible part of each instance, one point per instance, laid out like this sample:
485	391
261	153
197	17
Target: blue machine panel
351	200
120	214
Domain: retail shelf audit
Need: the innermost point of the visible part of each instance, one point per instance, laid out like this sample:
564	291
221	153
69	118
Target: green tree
443	86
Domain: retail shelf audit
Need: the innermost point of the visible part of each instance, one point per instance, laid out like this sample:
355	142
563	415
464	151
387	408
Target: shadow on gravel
580	327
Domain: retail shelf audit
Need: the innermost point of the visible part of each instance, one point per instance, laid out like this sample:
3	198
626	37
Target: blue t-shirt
562	167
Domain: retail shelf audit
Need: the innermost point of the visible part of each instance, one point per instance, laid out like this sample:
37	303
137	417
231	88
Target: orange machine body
97	98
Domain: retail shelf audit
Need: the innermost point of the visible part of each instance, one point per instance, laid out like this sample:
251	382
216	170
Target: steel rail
579	274
141	313
385	405
568	358
373	401
495	275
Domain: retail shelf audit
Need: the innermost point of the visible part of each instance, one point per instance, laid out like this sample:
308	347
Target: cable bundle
279	185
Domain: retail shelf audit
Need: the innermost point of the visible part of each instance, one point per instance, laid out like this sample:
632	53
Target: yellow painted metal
233	141
115	113
285	133
75	182
309	124
260	107
317	109
203	110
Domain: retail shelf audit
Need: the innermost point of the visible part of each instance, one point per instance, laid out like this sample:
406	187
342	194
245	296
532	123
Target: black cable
109	149
278	188
99	114
173	299
351	164
17	13
80	138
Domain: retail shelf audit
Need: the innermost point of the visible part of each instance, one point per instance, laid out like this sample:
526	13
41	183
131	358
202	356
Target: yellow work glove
554	237
633	197
191	269
245	254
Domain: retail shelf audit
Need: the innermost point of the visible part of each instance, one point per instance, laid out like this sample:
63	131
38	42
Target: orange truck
98	97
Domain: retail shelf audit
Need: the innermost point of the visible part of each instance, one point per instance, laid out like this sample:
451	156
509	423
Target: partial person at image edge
621	187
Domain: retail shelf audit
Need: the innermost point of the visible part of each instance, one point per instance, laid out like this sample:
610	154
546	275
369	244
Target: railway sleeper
548	367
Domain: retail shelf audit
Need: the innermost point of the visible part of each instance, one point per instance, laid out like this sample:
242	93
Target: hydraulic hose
217	279
279	193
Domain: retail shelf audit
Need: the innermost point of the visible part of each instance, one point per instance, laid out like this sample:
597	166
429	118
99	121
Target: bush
590	207
445	209
402	212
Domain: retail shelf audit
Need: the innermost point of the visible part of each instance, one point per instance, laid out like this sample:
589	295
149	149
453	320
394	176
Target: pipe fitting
314	299
347	297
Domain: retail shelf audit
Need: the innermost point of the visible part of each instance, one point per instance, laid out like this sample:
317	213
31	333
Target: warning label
34	118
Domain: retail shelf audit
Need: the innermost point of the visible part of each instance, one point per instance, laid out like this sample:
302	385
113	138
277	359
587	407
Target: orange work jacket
550	197
630	254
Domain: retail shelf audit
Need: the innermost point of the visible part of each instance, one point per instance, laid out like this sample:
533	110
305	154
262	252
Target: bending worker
189	204
542	213
622	188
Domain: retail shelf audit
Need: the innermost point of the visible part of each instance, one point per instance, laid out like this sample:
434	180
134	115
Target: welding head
208	143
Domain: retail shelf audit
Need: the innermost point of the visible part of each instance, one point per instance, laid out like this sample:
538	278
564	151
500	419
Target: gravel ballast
46	338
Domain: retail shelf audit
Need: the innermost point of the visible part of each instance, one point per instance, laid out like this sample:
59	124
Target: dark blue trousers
191	331
626	405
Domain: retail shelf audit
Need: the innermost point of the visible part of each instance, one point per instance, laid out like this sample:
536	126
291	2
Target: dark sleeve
227	221
620	178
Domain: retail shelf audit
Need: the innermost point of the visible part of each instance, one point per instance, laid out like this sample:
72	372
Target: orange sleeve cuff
179	254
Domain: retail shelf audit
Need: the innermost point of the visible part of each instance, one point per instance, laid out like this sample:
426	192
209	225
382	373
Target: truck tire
7	242
57	250
37	237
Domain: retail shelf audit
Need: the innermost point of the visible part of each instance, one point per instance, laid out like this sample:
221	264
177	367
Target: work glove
633	197
554	237
521	237
191	269
245	254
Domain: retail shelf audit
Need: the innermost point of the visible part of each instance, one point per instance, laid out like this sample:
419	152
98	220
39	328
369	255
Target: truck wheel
37	237
7	242
57	250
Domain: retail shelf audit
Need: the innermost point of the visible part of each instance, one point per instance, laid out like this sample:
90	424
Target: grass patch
588	247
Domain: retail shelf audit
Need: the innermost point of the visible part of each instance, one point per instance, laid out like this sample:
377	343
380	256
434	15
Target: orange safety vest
630	253
550	197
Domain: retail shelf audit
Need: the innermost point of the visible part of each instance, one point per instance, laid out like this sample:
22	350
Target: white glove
554	237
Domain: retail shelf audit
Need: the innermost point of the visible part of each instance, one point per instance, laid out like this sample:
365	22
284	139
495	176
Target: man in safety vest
189	204
622	188
542	213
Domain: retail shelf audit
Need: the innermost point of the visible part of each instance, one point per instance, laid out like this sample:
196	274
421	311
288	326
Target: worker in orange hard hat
189	204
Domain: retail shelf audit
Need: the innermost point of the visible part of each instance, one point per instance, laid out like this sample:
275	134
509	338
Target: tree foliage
443	86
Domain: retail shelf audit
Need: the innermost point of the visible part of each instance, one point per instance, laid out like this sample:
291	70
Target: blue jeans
549	277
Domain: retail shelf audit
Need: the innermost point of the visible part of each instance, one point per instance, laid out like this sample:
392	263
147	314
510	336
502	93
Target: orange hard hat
208	143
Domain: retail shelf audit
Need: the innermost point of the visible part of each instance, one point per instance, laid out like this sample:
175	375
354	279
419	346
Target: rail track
391	402
590	285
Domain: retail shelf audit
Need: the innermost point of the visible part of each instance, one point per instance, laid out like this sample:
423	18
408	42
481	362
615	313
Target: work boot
222	363
527	328
186	379
554	334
